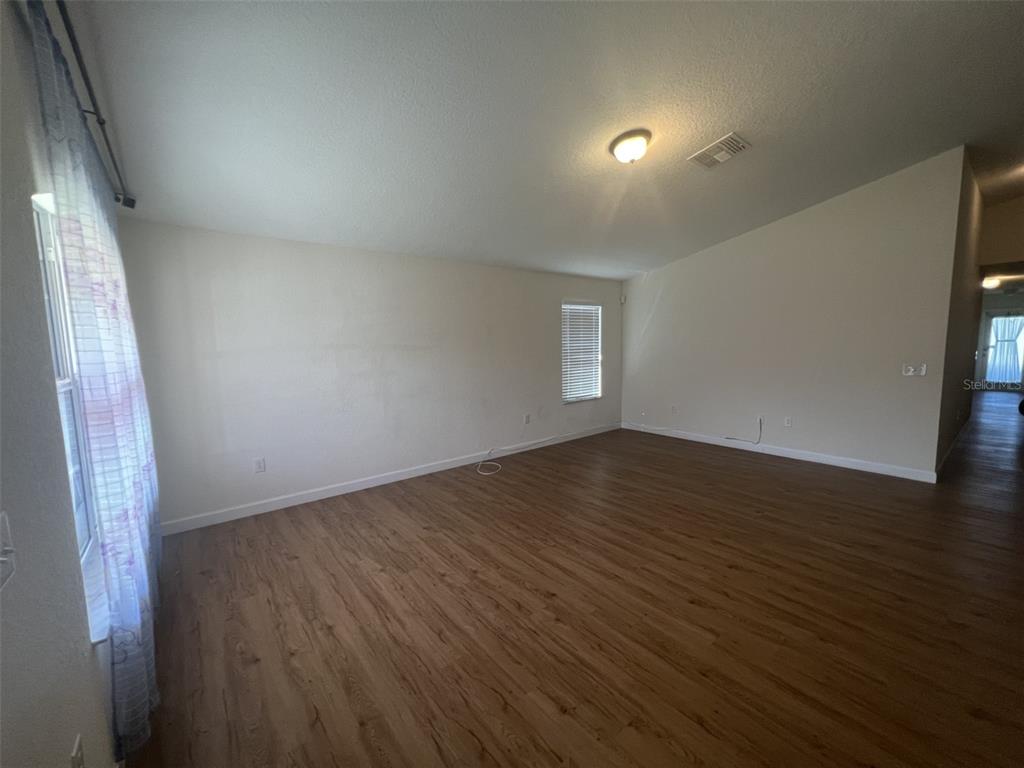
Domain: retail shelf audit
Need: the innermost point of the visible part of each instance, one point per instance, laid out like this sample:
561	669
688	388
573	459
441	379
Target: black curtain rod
121	196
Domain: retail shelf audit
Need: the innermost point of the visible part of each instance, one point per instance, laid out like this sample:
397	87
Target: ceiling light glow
630	146
991	283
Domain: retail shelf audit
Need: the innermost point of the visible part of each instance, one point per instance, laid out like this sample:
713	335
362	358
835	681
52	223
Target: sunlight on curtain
1007	350
116	416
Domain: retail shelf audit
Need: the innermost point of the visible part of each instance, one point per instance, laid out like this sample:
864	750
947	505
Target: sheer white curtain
1004	362
116	416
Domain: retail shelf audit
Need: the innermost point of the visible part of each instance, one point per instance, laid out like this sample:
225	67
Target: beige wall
1002	234
964	316
340	367
53	682
810	317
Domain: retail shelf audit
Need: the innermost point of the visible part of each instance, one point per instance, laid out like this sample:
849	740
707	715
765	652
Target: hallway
986	467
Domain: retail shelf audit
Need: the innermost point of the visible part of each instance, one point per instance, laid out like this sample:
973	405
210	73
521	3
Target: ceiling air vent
720	151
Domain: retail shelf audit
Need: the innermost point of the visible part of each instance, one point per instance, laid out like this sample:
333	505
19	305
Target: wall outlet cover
6	550
77	754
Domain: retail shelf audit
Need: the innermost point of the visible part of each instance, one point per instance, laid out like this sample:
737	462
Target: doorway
1003	354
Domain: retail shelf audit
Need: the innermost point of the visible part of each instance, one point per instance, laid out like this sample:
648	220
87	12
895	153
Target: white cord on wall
760	431
760	434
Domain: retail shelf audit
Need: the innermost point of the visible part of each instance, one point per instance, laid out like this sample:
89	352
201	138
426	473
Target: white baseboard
893	470
204	519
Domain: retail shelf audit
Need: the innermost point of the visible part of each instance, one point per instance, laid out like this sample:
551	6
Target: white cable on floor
486	466
651	427
487	462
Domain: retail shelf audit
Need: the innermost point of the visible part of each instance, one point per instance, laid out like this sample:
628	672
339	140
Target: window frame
566	302
66	372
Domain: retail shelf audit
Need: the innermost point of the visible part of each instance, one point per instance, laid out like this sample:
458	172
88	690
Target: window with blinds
581	352
65	369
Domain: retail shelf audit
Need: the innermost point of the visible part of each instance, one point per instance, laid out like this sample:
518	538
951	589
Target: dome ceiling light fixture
630	146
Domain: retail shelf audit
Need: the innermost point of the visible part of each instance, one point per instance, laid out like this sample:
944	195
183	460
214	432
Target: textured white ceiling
480	131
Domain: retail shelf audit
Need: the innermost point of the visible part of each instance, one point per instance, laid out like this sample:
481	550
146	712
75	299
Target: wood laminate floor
621	600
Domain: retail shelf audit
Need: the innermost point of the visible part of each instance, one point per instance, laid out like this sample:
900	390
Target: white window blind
581	352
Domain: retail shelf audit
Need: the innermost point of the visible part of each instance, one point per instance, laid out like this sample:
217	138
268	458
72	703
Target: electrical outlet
675	410
6	550
259	465
788	421
526	418
77	755
643	413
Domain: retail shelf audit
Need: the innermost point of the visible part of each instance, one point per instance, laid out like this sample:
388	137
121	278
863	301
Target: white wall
1002	235
809	317
964	316
53	682
338	366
